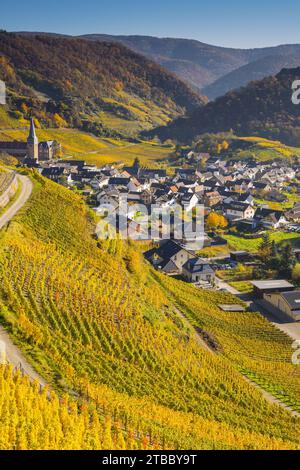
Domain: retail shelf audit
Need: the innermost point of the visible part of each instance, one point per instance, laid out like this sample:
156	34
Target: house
287	303
109	197
99	182
246	198
169	257
270	218
189	201
294	213
197	270
261	186
53	174
153	174
276	196
238	210
212	198
186	173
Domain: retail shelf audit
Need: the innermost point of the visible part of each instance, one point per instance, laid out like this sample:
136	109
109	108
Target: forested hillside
262	108
95	86
98	323
213	70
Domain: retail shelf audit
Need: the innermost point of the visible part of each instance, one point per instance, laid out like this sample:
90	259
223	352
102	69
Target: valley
118	331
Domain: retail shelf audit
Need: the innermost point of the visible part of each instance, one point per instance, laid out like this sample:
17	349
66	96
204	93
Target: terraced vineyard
254	345
97	322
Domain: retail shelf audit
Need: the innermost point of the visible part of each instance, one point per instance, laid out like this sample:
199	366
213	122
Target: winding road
23	197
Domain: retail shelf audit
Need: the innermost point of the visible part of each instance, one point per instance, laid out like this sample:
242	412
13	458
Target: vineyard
254	345
100	325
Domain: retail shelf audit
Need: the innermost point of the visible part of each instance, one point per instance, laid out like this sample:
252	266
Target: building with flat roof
268	286
285	302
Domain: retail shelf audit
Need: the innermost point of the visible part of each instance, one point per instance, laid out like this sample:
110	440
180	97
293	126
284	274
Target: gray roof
232	307
169	249
197	265
292	298
272	284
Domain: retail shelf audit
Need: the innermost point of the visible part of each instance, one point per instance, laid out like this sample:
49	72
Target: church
32	149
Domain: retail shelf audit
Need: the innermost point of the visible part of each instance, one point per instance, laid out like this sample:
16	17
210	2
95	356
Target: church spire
32	143
32	138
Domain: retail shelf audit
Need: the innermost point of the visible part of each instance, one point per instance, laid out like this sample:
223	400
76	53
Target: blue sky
230	23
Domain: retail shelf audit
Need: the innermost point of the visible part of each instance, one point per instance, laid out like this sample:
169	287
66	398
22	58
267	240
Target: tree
296	272
265	247
215	220
136	163
287	261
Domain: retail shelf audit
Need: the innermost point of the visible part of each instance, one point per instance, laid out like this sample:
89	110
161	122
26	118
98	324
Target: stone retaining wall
9	192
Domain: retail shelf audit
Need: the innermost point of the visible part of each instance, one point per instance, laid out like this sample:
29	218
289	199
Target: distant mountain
100	86
197	63
261	108
205	66
256	70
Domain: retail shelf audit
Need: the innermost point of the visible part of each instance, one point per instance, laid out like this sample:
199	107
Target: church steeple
32	142
32	138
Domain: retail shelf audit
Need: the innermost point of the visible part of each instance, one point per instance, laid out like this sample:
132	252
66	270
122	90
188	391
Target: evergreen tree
287	261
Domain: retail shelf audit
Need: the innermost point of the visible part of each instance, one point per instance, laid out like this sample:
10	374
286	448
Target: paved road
284	323
19	203
226	286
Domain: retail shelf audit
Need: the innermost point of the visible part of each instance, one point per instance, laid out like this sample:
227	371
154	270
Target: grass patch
244	287
213	251
240	243
264	149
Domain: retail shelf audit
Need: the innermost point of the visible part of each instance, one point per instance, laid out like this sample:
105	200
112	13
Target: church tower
32	143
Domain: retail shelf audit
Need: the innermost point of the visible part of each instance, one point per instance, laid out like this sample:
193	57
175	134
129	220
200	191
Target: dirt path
11	354
270	398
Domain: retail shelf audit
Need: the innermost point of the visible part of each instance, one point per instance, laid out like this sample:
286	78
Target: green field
238	243
244	287
292	198
264	149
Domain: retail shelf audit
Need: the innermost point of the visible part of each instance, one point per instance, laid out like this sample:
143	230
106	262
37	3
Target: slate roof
292	298
262	213
169	249
197	265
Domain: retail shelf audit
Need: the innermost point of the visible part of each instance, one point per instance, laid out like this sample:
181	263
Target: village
238	197
248	201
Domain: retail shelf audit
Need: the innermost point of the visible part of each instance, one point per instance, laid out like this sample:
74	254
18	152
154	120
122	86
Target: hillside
256	70
212	69
100	87
95	150
97	322
262	108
